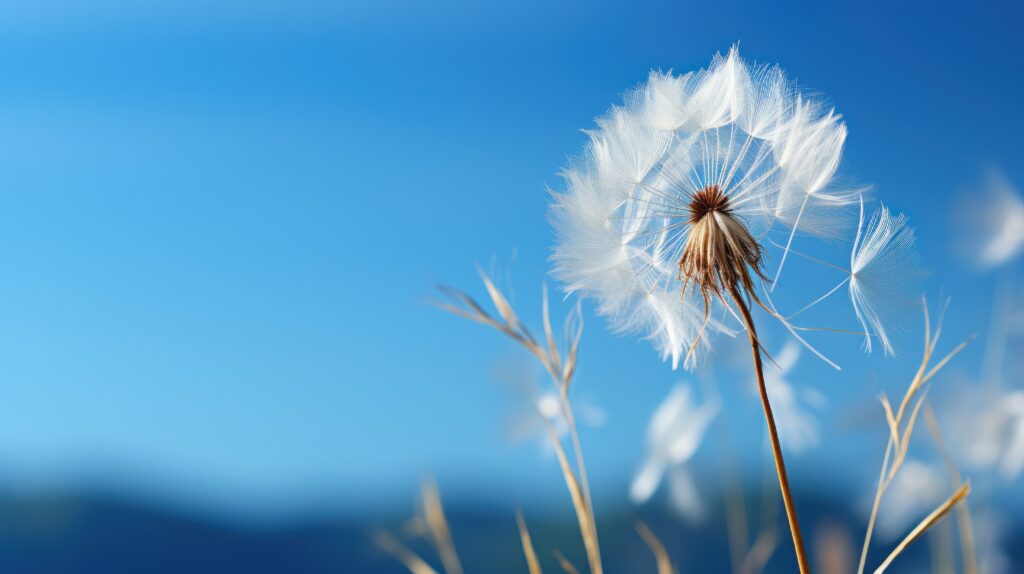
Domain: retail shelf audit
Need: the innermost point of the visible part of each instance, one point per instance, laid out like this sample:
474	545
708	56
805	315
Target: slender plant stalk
899	440
564	563
524	536
580	466
735	510
928	522
941	547
767	539
963	512
657	548
412	562
773	433
437	524
882	484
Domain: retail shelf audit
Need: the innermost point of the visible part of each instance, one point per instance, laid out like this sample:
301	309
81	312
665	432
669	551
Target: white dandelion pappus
674	434
738	138
885	275
809	147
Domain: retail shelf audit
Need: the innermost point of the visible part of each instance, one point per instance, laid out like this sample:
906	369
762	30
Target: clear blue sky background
220	222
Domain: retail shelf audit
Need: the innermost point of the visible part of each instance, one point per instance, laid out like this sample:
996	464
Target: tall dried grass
901	428
560	362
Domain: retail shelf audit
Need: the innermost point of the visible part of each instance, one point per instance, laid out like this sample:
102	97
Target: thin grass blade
412	562
524	536
437	524
660	554
564	563
929	521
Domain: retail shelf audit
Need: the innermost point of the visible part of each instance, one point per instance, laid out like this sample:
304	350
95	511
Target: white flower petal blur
915	491
793	405
674	434
646	481
992	222
990	430
541	409
622	219
683	496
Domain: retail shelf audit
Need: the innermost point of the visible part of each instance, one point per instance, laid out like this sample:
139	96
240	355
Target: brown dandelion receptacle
720	252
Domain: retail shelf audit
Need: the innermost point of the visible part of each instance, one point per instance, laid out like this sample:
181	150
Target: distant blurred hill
59	534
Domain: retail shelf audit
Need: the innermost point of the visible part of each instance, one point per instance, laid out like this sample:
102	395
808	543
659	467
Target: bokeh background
222	222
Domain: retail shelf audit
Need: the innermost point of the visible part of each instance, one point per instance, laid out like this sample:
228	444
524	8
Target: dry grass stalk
762	551
434	526
564	563
773	433
660	554
942	548
963	510
767	540
901	428
736	528
401	552
524	536
561	366
437	525
833	549
929	521
735	510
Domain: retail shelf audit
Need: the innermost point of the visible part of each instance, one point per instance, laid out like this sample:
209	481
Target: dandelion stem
773	433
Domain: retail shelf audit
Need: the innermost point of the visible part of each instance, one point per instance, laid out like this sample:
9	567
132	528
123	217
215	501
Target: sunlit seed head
720	253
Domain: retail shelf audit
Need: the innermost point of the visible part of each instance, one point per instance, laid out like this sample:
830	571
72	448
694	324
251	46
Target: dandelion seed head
668	203
720	252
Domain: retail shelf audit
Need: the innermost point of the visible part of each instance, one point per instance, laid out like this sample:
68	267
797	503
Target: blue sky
221	222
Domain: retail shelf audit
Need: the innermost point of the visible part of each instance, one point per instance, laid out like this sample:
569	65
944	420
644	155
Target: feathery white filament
884	275
809	148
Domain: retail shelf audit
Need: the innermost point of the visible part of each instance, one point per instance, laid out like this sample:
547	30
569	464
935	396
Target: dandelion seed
885	275
674	434
809	148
